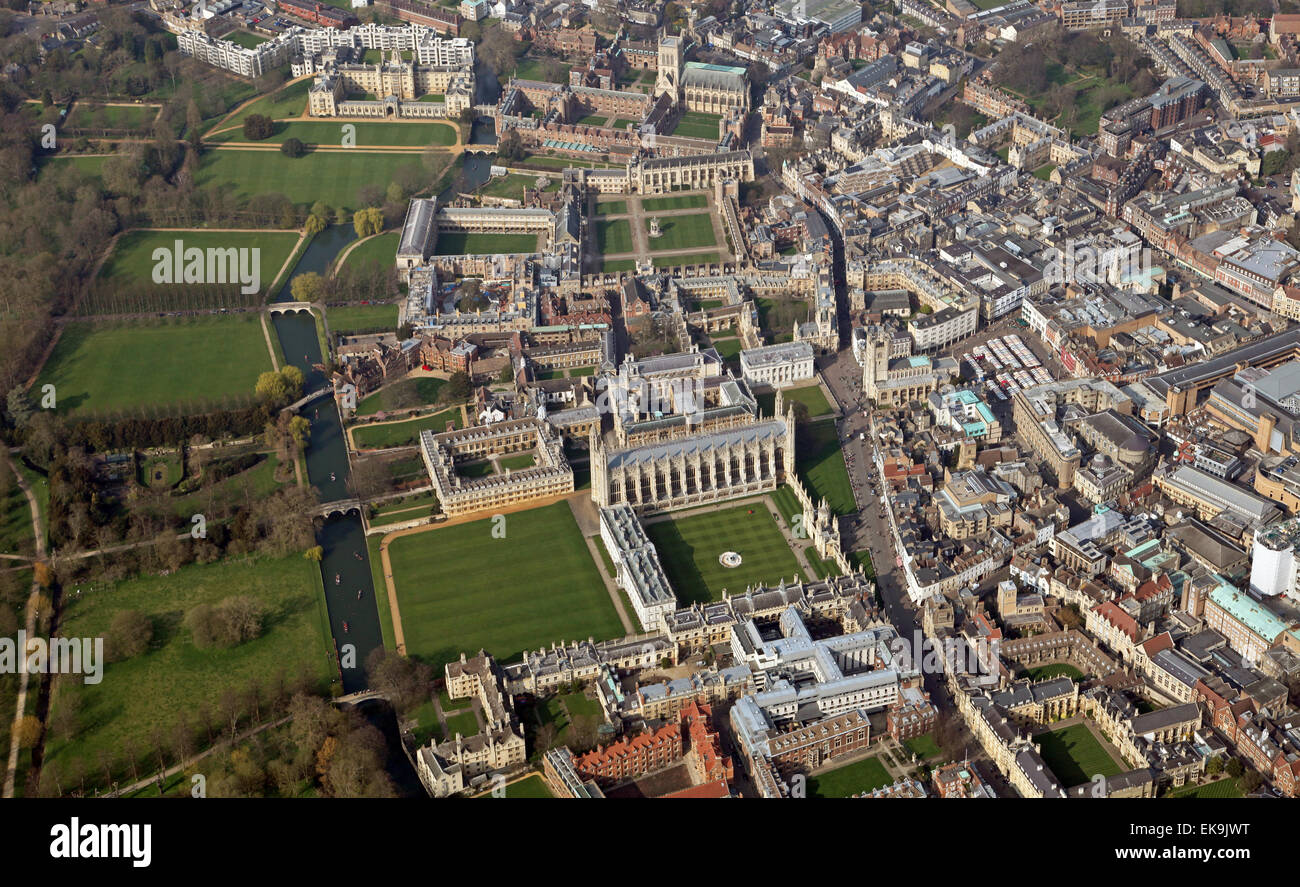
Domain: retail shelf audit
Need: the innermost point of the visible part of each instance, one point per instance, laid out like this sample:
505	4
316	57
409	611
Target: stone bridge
290	307
339	507
308	398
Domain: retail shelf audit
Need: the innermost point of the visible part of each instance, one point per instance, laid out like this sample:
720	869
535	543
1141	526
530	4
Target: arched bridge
339	507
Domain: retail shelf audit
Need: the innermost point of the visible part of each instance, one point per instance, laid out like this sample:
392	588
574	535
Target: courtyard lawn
512	186
533	786
174	680
377	251
1221	788
683	232
457	244
1055	670
132	261
613	236
362	318
535	69
618	266
689	548
676	201
1075	755
403	434
842	782
924	747
402	394
333	177
99	369
612	208
460	588
698	125
246	39
465	723
811	397
686	259
821	467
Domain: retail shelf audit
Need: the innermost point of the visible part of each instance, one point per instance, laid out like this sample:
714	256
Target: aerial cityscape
717	399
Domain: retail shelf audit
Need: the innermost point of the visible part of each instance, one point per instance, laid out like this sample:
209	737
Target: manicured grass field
843	782
689	548
460	588
529	787
698	125
98	369
513	185
618	266
811	397
245	39
378	251
923	746
457	244
465	723
288	101
686	259
1055	670
1221	788
683	232
132	259
175	679
613	236
821	468
402	393
517	462
675	201
362	318
612	208
1075	755
535	69
332	177
368	134
91	164
403	434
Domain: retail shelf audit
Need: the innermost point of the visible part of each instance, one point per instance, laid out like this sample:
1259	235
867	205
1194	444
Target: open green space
402	394
821	466
683	232
536	69
924	747
107	368
127	118
15	522
462	588
1055	670
465	723
533	786
618	266
1220	788
454	243
251	484
698	125
333	177
245	39
613	236
593	120
612	208
354	319
377	251
689	548
686	259
674	201
288	101
174	679
512	186
810	396
849	780
90	164
516	462
1075	755
403	434
622	123
368	134
132	260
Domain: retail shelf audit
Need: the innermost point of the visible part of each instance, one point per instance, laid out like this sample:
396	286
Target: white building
777	365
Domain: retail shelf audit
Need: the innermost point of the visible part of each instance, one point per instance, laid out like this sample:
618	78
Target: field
456	244
698	125
174	680
403	434
331	177
842	782
402	394
132	262
618	265
362	318
459	588
126	118
687	259
676	201
289	101
380	250
1075	755
683	232
811	397
535	69
1221	788
98	369
512	186
689	548
821	467
613	236
368	134
612	208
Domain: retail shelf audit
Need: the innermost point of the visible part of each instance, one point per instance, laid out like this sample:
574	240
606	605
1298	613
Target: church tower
670	68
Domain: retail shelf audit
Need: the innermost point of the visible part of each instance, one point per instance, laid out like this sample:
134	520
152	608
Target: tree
507	374
258	127
459	386
129	634
19	407
368	221
316	554
308	287
293	147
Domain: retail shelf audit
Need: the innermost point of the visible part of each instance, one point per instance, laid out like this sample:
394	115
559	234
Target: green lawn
811	397
331	177
245	39
1055	670
288	101
698	125
465	723
1220	788
517	462
613	236
175	679
689	548
532	786
512	186
15	521
686	259
541	586
535	69
843	782
821	467
253	483
379	250
108	368
1075	755
683	232
134	118
676	201
403	434
612	208
923	747
617	266
362	318
402	394
91	164
457	244
132	261
367	134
